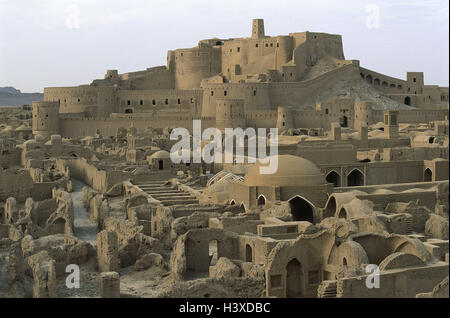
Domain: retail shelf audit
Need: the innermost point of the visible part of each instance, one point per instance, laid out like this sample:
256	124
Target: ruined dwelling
87	180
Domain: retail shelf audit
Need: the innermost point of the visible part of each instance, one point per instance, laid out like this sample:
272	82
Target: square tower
258	29
415	82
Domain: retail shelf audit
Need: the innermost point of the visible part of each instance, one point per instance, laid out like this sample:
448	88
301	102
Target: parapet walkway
165	194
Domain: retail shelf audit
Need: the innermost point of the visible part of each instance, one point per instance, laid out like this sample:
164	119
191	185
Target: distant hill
9	96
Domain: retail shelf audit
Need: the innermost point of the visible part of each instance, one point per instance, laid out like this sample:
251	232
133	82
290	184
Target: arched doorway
189	252
213	252
342	214
301	210
369	79
330	208
242	207
355	178
343	121
58	226
161	165
407	100
427	175
334	178
248	253
261	200
294	279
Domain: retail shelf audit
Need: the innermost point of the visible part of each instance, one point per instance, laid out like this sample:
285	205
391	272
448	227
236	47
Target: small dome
292	171
162	154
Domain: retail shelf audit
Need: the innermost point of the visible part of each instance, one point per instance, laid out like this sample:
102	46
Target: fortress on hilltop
290	81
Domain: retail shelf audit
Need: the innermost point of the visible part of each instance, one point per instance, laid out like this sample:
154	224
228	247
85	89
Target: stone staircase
328	289
167	195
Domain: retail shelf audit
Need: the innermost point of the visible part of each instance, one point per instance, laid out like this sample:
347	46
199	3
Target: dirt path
84	228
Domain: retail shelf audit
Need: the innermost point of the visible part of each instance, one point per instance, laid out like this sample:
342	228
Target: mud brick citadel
87	180
245	82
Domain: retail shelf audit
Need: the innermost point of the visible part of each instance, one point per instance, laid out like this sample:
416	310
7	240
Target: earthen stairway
167	195
328	290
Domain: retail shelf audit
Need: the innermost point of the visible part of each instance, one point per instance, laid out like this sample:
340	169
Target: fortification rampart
387	84
255	96
413	116
91	100
74	127
170	100
230	113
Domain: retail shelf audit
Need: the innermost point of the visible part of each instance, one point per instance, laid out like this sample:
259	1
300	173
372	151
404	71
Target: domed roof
292	171
162	154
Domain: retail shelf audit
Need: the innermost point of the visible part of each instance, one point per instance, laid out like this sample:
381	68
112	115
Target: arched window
355	178
261	200
334	178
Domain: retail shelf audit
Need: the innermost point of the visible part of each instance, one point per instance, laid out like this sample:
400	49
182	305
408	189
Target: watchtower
391	124
258	29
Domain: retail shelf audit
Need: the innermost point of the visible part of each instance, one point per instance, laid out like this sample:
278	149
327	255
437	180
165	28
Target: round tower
191	66
285	119
230	113
45	118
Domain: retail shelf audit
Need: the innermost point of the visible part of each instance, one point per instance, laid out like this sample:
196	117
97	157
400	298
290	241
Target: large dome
292	171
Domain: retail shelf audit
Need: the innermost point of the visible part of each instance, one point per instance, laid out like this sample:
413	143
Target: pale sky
46	43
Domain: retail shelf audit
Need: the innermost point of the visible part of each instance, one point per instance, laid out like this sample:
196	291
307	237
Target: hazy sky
71	42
